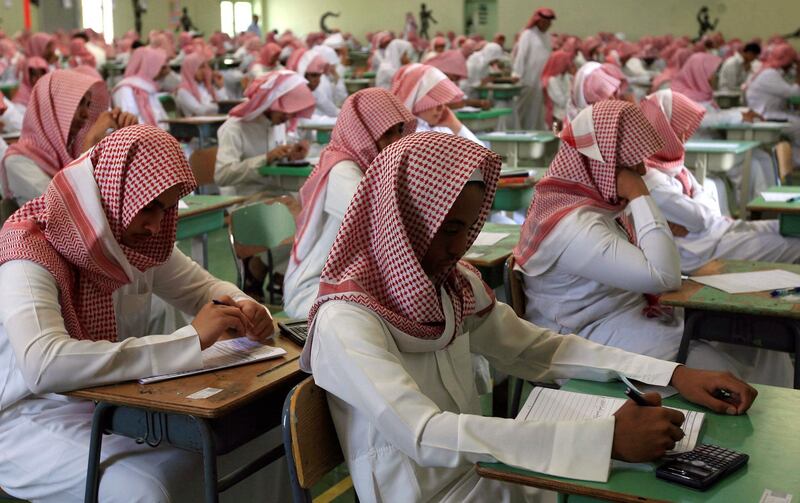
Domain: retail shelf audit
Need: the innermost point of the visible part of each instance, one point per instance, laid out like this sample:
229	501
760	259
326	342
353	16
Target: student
734	70
480	64
137	93
370	120
31	70
676	61
268	57
69	321
701	232
557	76
398	317
398	53
67	116
312	65
428	94
380	42
595	82
532	51
255	131
200	87
585	273
438	46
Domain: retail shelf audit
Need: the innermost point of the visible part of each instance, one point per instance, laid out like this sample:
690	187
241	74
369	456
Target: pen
784	291
793	199
218	302
722	394
634	394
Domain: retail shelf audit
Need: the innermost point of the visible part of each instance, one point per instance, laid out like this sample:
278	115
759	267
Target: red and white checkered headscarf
45	128
692	79
451	63
595	82
539	14
623	137
75	229
281	90
675	117
398	208
422	87
557	64
365	116
189	67
140	74
23	95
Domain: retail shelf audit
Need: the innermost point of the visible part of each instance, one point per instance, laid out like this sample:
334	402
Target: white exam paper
779	197
489	238
756	281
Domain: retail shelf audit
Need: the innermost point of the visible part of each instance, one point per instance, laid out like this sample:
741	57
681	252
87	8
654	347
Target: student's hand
279	152
678	230
449	120
2	126
630	185
123	119
751	116
260	320
218	80
700	387
645	433
216	320
485	104
299	151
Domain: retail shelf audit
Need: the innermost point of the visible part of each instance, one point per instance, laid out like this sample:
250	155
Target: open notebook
224	354
545	404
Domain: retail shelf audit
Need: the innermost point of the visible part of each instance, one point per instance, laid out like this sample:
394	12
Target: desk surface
199	204
697	296
317	126
199	120
239	385
484	114
759	204
518	136
761	433
720	146
497	253
794	100
756	126
298	171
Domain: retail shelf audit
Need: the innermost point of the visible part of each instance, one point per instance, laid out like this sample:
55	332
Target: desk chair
262	227
309	438
202	162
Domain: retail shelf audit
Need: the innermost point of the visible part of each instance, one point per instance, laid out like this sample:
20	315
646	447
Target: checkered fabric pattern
422	87
451	62
624	138
140	76
189	67
397	210
364	118
280	90
131	167
692	79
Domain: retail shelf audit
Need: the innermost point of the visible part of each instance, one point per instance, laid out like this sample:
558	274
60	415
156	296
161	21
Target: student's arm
558	91
605	256
230	168
123	98
352	360
191	107
343	181
520	62
678	207
775	85
52	361
26	180
12	118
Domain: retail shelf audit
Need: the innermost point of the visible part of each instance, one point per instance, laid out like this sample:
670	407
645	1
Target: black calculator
702	467
296	330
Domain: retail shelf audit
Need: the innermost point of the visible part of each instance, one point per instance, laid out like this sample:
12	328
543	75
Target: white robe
191	106
325	98
732	74
12	117
464	132
301	283
44	437
711	235
26	180
124	99
533	51
408	417
588	279
558	88
767	94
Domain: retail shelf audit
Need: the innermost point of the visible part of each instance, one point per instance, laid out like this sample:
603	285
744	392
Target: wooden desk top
760	205
720	146
697	296
199	204
198	121
497	253
240	385
518	136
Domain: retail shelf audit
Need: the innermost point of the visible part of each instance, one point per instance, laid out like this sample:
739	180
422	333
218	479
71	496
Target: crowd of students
394	202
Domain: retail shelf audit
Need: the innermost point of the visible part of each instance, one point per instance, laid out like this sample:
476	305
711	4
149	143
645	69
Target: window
235	17
99	16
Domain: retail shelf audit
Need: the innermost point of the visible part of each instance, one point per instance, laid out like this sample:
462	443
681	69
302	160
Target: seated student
380	41
480	65
398	53
200	87
768	91
596	82
68	321
595	250
701	232
68	114
734	70
31	70
267	60
312	65
371	119
137	92
437	46
664	79
428	93
557	75
398	317
255	131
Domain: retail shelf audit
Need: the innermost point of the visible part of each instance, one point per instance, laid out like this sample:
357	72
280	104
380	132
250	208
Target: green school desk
323	130
482	120
202	127
727	99
9	90
521	148
249	406
287	178
205	213
749	319
761	433
767	132
490	259
501	92
794	102
355	85
788	212
720	156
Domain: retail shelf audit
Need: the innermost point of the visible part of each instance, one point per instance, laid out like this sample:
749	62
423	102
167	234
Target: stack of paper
780	197
757	281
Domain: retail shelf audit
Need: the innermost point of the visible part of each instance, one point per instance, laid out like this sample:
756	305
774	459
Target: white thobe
588	279
26	180
12	117
44	437
732	74
191	106
124	99
301	283
767	94
533	50
325	98
558	88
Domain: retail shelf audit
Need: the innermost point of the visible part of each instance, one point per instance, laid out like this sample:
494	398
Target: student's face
81	115
392	135
404	59
433	115
544	24
449	243
313	80
438	48
200	74
36	74
748	56
50	53
639	169
276	117
147	223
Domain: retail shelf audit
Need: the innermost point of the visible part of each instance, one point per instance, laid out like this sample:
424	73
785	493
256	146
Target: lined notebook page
545	404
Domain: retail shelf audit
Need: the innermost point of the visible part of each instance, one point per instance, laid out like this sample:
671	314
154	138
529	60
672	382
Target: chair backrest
202	162
262	224
782	160
515	293
309	436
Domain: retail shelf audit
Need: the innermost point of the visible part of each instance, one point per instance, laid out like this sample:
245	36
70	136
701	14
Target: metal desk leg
744	190
690	319
200	250
209	460
99	420
796	329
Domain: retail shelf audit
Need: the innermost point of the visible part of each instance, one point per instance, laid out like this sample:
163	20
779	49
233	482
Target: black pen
634	394
722	394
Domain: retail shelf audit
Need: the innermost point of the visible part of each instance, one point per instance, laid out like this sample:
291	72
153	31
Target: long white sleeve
678	207
191	107
731	74
52	361
652	267
12	117
230	168
26	180
124	99
521	58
